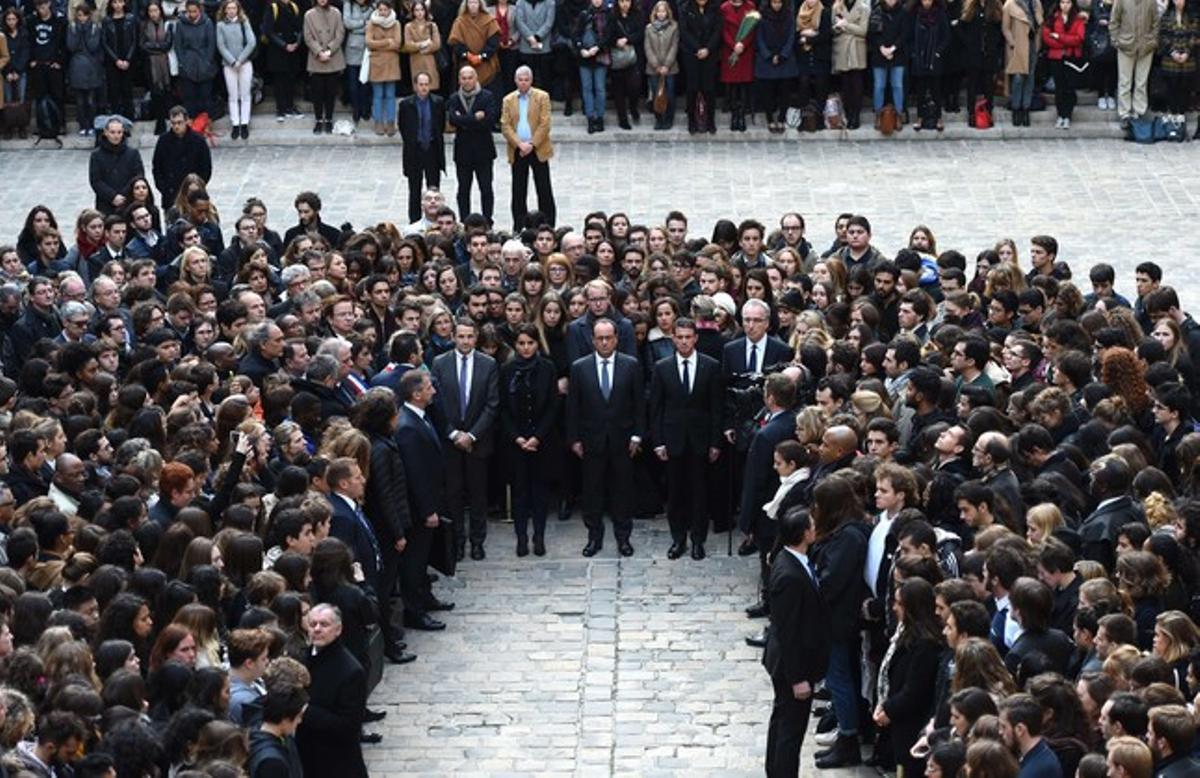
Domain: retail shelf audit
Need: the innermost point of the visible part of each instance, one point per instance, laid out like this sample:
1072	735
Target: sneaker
1058	123
1066	124
826	739
280	117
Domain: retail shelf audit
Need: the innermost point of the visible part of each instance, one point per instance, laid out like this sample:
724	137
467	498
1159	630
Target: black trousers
1179	91
196	95
607	474
45	81
773	96
120	91
529	490
323	88
389	573
627	91
701	77
414	582
521	168
466	485
980	83
480	172
814	88
285	92
852	94
785	733
687	496
426	174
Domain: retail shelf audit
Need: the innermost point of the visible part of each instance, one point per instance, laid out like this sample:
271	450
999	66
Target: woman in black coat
814	53
283	27
978	43
930	39
529	411
333	581
908	673
700	31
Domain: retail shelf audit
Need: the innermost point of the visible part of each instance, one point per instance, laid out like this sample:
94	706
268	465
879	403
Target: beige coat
423	61
323	29
539	123
1134	27
850	43
662	49
384	45
1016	28
4	57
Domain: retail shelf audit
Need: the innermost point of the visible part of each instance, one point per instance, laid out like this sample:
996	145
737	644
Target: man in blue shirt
1021	728
525	124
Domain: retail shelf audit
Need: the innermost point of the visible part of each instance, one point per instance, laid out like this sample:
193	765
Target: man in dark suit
598	294
422	115
473	112
329	736
743	359
469	385
421	450
686	396
797	650
349	524
606	405
264	346
760	481
1111	479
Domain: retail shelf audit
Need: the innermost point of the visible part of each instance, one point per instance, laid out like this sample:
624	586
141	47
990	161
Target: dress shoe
624	124
676	550
522	547
592	547
424	622
477	552
371	716
461	553
698	551
747	547
758	610
568	109
317	127
845	753
431	577
539	546
625	548
329	126
440	605
564	510
245	132
370	738
399	656
757	641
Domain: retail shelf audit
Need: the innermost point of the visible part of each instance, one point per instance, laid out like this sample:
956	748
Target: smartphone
234	438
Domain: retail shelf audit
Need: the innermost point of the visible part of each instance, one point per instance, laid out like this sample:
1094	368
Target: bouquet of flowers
749	22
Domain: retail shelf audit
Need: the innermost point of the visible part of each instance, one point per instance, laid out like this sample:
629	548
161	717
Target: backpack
835	117
983	114
889	120
1175	128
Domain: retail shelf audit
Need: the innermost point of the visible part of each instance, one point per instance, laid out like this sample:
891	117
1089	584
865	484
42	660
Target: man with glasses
967	363
599	306
247	237
146	241
177	153
791	236
432	201
75	321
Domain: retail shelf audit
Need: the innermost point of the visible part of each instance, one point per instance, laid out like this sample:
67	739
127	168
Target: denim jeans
882	76
842	680
384	97
592	85
1021	94
14	91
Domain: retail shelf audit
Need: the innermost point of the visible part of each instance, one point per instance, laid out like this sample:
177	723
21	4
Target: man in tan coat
1133	28
525	124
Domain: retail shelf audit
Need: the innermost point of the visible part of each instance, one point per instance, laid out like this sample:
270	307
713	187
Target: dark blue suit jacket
346	527
421	450
761	481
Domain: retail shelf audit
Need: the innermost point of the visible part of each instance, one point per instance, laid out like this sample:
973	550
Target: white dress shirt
760	353
691	366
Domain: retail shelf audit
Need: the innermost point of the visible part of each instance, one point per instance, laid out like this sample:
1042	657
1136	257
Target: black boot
591	125
522	545
623	122
733	119
693	125
539	544
845	753
568	108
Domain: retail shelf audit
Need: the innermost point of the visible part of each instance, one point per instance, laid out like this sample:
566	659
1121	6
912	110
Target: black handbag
443	551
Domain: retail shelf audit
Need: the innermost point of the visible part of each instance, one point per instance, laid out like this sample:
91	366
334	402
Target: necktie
366	525
687	384
423	134
605	386
752	365
463	393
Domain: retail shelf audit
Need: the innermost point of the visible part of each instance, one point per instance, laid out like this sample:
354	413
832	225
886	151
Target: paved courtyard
1104	200
567	666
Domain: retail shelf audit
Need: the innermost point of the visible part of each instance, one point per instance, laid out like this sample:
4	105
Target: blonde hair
225	4
661	4
1181	632
1132	755
870	405
1159	511
1046	517
1119	665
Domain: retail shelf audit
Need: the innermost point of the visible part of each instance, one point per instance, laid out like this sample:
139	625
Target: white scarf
785	485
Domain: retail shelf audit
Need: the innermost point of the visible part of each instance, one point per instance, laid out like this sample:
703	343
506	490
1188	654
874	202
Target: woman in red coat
1062	37
739	73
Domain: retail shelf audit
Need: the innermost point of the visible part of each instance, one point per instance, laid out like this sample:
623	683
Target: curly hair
1121	372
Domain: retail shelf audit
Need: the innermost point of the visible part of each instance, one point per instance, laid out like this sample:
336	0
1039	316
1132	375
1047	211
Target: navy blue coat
346	527
421	451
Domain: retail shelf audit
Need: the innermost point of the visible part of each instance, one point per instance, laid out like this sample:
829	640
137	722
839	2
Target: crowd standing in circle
232	451
805	64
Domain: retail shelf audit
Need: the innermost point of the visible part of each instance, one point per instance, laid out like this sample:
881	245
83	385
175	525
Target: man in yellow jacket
525	124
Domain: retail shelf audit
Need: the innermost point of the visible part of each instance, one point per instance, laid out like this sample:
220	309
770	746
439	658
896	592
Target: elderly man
473	112
328	737
70	476
113	165
432	201
264	344
599	306
525	124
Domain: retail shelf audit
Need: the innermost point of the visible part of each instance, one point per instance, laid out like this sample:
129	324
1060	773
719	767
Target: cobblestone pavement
569	666
1104	200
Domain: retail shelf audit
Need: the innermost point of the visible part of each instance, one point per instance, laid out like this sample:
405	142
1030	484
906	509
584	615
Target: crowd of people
805	64
232	455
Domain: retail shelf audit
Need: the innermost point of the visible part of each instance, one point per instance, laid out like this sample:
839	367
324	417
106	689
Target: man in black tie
421	451
470	399
685	423
422	116
797	651
349	524
605	409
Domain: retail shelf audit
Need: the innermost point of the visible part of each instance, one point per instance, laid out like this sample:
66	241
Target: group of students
803	64
232	452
